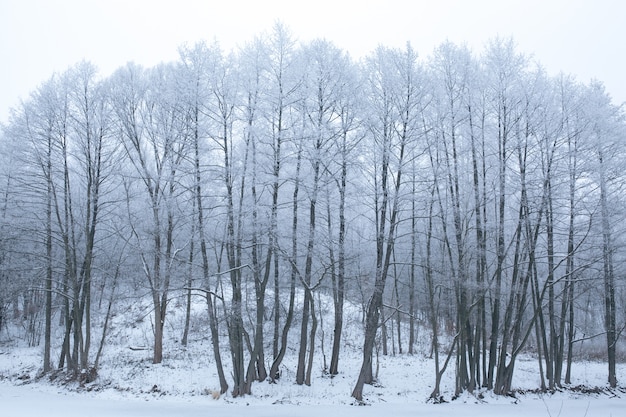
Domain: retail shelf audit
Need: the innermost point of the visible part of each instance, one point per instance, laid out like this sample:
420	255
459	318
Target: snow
38	400
128	384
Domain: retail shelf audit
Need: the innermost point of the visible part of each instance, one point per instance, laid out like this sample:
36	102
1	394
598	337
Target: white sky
586	38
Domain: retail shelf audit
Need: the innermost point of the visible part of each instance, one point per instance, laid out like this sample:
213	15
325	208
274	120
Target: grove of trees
470	194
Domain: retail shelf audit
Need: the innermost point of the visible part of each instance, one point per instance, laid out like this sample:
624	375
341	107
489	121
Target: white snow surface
128	384
42	400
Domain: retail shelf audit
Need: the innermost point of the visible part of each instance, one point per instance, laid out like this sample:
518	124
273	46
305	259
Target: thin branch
205	291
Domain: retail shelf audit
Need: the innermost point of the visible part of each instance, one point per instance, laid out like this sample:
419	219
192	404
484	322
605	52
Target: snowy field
37	400
128	384
178	388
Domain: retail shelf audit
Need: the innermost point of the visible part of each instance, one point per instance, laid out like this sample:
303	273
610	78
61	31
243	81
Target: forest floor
129	384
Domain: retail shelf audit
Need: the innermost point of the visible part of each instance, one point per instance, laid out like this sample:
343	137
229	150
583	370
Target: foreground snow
44	400
179	386
128	384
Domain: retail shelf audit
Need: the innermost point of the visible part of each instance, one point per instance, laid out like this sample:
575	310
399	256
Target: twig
205	291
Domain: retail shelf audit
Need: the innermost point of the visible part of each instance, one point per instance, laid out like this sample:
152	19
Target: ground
128	384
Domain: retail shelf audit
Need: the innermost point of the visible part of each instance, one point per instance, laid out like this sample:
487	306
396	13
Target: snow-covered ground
40	400
129	384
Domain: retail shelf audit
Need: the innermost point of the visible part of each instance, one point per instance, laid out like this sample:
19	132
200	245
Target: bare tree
281	97
604	133
34	123
197	67
324	79
69	116
502	64
390	134
348	138
150	123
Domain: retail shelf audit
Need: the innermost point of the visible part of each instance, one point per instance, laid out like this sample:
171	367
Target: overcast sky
586	38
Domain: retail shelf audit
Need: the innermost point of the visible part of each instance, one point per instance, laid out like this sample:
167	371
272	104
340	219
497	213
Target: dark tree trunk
274	370
213	323
609	278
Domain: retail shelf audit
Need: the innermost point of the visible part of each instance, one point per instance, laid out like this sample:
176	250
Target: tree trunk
274	370
609	278
189	276
412	327
213	323
384	247
48	285
309	301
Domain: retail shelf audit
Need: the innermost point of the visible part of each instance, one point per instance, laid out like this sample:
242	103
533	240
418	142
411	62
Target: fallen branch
139	348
